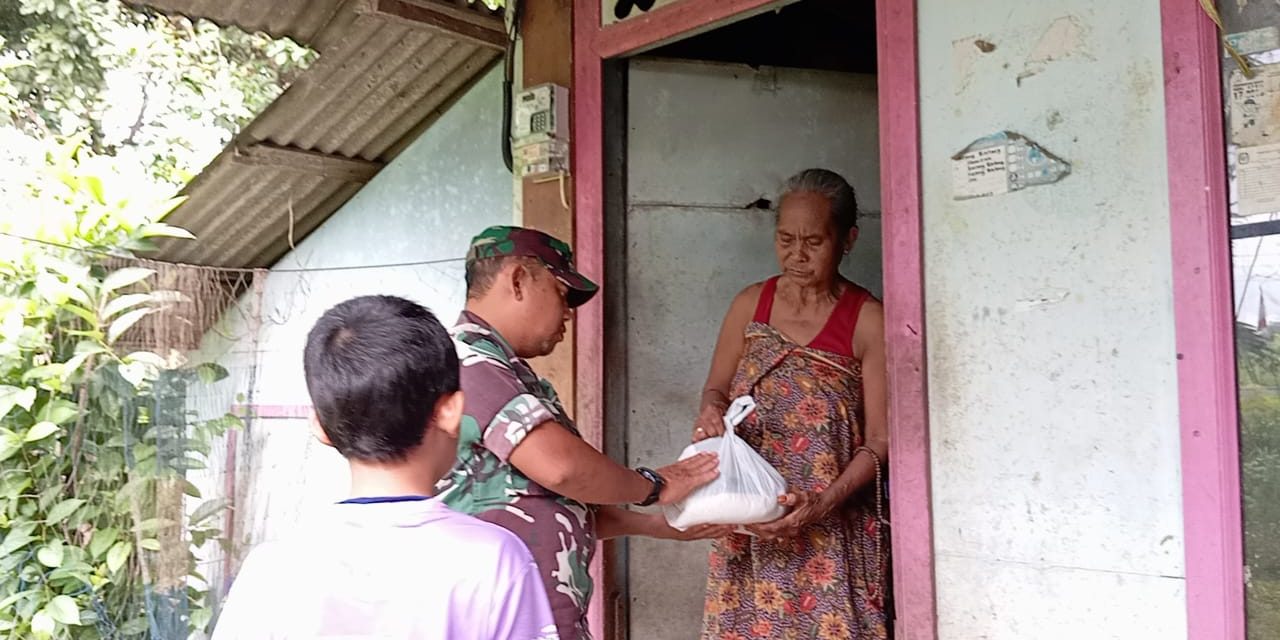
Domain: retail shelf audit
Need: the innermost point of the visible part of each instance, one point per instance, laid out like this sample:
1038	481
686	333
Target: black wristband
658	483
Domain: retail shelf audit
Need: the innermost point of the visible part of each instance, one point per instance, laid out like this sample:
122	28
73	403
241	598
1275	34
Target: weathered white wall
1052	398
705	141
424	206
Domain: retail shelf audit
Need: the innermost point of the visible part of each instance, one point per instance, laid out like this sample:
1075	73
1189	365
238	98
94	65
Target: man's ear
520	278
447	416
317	430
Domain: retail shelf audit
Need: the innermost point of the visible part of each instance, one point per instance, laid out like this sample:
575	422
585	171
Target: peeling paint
1043	298
1141	81
964	53
1063	38
1002	386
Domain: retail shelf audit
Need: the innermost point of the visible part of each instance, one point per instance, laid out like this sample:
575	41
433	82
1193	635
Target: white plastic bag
745	492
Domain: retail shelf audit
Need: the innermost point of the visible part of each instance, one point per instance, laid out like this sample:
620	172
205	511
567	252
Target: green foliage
1260	469
89	468
1258	358
164	89
94	440
1262	610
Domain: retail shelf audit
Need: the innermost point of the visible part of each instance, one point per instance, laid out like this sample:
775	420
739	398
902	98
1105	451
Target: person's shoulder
869	328
479	348
492	554
872	309
751	291
482	360
268	567
272	553
487	539
754	289
748	297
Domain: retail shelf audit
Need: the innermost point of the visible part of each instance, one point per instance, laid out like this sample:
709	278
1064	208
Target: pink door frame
912	530
1205	324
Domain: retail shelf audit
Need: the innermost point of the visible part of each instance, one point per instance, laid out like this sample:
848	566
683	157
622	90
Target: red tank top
837	334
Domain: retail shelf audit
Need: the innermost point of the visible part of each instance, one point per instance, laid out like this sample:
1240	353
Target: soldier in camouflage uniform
521	461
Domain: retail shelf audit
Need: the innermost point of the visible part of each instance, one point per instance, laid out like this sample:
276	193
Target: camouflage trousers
562	540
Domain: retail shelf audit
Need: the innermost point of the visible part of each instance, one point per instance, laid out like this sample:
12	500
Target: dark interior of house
830	35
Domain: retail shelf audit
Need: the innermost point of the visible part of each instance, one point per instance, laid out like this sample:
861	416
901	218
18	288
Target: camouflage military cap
502	241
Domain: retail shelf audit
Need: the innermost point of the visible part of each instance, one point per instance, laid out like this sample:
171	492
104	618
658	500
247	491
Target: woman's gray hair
833	187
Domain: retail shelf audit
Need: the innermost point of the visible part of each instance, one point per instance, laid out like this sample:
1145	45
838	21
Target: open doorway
704	132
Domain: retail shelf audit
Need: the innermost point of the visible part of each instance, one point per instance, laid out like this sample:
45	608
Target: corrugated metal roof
379	81
301	20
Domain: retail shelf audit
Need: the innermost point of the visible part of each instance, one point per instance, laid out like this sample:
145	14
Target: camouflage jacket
505	400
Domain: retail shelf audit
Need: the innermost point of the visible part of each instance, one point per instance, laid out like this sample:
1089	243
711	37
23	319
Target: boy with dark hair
392	561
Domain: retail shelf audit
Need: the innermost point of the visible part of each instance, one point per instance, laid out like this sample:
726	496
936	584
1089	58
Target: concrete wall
1052	398
705	141
424	206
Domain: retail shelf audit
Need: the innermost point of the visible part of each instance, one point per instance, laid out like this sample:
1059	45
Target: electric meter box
541	113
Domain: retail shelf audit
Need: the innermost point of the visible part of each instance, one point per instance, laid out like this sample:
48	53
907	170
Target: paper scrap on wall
1258	179
1001	163
1255	41
1255	106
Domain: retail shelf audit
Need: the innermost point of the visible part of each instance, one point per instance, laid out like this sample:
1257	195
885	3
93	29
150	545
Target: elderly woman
809	346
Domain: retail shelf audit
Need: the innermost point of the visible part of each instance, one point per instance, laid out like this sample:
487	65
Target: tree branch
77	434
142	112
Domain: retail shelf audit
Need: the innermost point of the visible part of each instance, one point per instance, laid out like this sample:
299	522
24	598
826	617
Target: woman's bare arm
724	363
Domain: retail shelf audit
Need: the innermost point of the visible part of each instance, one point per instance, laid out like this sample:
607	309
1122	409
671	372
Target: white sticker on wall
1003	162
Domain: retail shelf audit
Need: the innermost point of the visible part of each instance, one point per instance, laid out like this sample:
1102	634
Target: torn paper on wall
1001	163
1255	41
1258	179
1255	106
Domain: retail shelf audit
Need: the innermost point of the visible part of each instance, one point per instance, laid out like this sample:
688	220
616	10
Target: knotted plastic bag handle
737	412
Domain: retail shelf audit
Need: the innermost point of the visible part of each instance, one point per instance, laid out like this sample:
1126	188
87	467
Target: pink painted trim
903	258
670	22
588	227
911	501
588	183
1202	298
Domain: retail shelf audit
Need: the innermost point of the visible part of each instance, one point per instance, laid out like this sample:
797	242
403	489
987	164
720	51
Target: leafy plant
164	90
94	441
1258	362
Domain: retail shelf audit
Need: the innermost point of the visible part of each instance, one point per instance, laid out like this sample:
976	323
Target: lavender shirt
407	570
